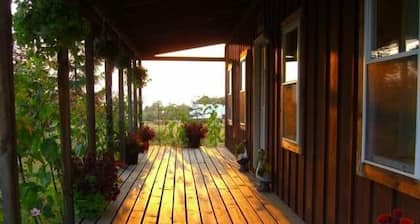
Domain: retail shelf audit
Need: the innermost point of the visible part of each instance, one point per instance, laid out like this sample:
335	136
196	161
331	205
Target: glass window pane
291	56
289	112
395	27
391	96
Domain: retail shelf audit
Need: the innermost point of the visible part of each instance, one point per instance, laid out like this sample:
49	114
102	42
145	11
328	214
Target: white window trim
368	26
293	22
243	74
230	76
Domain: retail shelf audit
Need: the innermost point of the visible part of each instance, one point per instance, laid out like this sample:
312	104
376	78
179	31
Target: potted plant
396	217
263	172
95	184
242	157
140	76
194	131
145	134
132	148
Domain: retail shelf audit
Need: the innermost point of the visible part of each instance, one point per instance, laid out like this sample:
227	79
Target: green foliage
140	76
89	205
49	25
214	126
206	100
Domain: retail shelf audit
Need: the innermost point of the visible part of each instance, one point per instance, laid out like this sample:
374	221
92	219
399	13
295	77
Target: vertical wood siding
321	184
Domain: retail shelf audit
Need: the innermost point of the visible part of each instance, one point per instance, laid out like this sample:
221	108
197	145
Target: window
229	103
242	94
290	84
390	87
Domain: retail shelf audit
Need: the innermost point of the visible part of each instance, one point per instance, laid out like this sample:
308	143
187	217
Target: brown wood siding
321	184
234	133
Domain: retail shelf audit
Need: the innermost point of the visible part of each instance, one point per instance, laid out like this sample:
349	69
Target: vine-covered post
135	103
8	162
109	67
90	95
65	132
121	113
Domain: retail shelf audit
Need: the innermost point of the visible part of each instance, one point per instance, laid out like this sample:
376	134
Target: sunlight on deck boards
174	185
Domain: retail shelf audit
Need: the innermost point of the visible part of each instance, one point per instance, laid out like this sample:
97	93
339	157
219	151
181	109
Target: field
167	132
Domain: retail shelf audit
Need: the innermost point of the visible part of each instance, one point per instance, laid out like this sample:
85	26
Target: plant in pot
95	184
195	131
140	76
242	157
145	134
263	172
132	148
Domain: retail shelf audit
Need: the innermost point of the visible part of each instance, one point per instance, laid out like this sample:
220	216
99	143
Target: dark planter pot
264	186
131	157
194	142
243	163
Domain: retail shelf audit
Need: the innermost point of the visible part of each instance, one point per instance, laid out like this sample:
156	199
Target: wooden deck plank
250	214
179	211
137	212
165	212
152	211
232	208
218	205
174	185
193	211
247	190
125	209
113	207
206	210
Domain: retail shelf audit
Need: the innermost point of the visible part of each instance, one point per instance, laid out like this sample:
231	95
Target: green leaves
49	24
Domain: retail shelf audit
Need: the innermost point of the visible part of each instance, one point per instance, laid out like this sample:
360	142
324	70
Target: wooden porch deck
174	185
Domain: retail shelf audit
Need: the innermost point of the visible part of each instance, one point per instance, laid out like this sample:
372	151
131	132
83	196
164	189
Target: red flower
383	219
397	212
405	220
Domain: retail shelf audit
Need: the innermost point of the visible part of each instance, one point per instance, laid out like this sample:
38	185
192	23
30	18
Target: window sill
290	145
390	179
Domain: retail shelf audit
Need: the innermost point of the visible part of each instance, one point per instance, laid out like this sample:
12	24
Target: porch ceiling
158	26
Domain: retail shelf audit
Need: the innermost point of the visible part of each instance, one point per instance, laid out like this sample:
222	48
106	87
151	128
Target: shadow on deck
174	185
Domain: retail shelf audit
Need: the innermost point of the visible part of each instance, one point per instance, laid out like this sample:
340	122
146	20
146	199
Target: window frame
229	69
367	60
242	89
291	23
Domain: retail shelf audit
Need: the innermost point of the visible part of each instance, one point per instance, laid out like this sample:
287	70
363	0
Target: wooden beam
8	163
121	113
129	97
109	68
181	58
90	95
65	134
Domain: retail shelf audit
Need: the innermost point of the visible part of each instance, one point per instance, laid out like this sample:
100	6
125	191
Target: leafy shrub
97	180
146	133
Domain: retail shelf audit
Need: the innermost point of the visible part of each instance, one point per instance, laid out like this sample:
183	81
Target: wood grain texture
214	191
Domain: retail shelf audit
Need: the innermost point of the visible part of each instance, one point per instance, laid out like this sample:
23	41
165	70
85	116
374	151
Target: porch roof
150	27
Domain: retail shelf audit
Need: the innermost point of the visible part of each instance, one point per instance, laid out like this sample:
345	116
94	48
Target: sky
180	82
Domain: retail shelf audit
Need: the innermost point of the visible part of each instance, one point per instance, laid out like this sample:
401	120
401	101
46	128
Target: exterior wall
321	184
235	133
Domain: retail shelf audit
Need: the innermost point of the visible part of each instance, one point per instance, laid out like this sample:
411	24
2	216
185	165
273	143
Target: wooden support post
135	107
129	97
109	67
8	162
90	95
140	101
121	113
64	104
